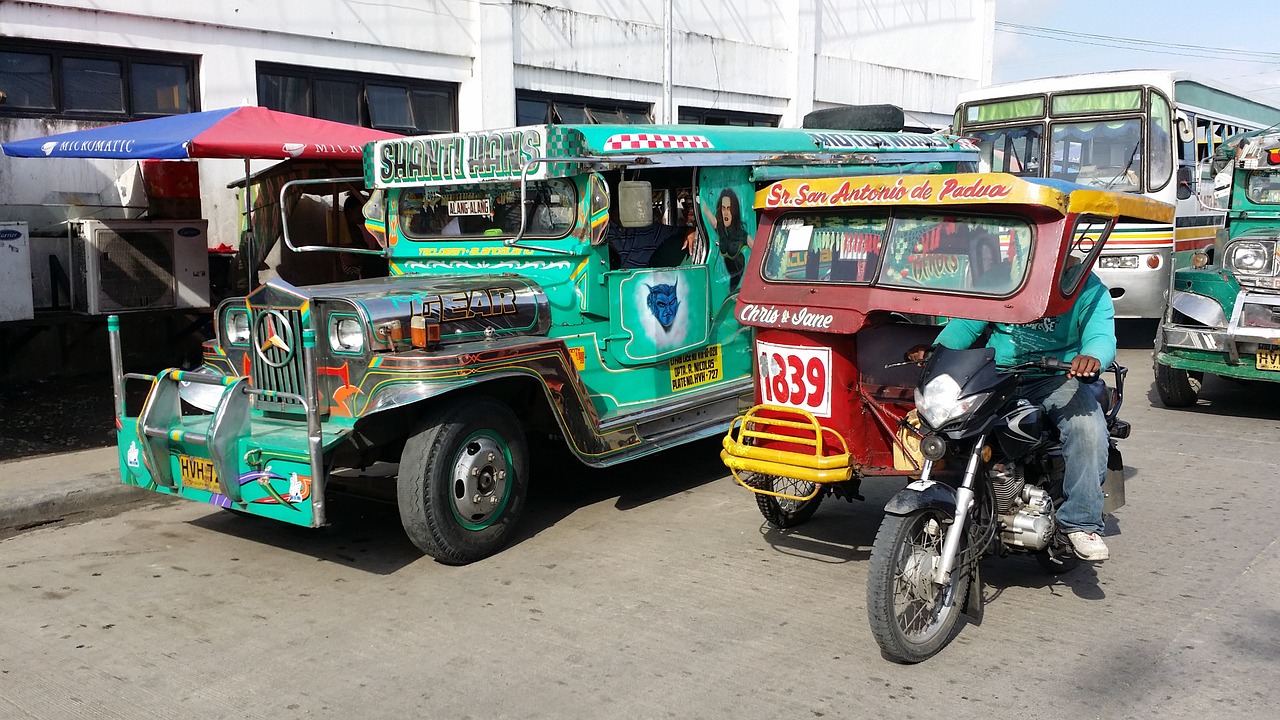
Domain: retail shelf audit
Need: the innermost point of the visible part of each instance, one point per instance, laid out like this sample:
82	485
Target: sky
1215	40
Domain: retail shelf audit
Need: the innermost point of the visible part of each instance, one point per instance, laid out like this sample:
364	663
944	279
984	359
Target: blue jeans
1085	441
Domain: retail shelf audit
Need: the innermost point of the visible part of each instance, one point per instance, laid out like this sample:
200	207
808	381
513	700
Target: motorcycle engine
1007	481
1029	522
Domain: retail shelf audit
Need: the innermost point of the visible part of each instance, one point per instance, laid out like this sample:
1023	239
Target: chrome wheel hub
479	479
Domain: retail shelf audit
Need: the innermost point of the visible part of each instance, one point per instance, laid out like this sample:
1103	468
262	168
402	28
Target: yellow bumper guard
741	454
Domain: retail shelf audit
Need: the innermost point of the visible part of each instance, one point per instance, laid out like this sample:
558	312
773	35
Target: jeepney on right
1222	316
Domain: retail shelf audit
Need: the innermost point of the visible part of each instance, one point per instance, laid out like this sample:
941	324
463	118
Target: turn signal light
423	334
1199	260
1153	261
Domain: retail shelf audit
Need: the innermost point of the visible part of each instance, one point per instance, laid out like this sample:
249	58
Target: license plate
198	473
1268	358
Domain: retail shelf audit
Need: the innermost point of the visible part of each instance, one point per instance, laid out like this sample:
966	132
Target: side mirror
1185	176
635	203
599	209
1186	131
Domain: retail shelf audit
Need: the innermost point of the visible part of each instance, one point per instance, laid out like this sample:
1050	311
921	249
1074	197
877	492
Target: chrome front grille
276	359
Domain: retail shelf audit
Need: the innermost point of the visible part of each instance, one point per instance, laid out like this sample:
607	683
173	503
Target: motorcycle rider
1084	336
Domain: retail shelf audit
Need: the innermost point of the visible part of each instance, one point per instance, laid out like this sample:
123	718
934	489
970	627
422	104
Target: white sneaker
1088	546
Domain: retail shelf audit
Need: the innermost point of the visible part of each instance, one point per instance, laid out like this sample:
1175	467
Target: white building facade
442	65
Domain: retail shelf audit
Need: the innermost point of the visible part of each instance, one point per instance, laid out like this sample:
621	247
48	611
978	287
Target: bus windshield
487	210
1014	150
1103	153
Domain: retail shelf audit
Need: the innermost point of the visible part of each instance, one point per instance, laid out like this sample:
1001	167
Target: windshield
1104	154
1263	187
975	254
1014	150
487	210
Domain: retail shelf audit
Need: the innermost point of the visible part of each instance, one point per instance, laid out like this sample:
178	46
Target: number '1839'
794	376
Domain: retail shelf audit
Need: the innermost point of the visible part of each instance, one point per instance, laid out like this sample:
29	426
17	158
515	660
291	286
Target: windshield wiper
1132	156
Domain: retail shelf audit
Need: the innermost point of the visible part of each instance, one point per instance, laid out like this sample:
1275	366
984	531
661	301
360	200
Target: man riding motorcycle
1085	337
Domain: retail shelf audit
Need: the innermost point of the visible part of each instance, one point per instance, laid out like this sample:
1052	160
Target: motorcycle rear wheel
911	617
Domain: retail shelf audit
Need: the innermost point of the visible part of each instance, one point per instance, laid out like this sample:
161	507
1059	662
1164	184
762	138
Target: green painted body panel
1215	364
276	484
1211	282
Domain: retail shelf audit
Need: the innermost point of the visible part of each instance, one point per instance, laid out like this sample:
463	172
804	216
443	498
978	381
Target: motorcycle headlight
346	334
939	402
1251	257
237	330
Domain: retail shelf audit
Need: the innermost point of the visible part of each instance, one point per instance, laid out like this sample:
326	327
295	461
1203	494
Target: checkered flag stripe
652	141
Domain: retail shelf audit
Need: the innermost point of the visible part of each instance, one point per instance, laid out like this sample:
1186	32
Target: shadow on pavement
365	533
1024	571
841	531
1227	397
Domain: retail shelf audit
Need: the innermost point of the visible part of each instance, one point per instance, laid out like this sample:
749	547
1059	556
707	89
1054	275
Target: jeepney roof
962	189
502	155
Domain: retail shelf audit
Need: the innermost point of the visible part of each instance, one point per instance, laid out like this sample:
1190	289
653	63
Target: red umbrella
251	133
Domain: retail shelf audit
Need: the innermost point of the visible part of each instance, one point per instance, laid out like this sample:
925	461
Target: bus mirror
635	203
1184	182
1186	132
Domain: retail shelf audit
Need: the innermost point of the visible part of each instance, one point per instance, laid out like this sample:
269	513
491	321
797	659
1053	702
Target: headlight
346	334
940	402
1251	256
237	329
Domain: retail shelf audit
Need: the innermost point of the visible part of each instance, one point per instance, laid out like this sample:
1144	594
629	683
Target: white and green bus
1140	131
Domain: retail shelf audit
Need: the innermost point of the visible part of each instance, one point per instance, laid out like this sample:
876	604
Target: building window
702	116
402	105
93	82
534	108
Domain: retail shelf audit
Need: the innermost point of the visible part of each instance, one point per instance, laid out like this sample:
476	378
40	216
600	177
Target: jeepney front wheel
463	479
1177	388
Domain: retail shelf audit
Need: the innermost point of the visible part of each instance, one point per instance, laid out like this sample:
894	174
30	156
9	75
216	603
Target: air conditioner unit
126	265
15	272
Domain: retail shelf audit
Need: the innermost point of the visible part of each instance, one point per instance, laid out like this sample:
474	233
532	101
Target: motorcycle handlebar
1049	363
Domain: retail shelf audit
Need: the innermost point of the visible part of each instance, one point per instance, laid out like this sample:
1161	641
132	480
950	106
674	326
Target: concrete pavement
47	488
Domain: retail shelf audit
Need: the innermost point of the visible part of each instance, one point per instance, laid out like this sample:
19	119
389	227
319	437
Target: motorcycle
924	568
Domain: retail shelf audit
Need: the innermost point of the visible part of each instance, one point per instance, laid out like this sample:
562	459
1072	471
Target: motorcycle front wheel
911	617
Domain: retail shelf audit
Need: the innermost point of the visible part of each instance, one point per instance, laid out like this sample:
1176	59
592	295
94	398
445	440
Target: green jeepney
572	285
1223	314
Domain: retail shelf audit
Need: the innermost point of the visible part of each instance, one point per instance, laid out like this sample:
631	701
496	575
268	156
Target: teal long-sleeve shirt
1088	328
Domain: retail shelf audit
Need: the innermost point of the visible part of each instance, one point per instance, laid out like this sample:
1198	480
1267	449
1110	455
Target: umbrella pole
248	253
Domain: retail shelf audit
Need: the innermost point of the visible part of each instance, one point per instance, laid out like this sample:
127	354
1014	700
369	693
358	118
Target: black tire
902	557
781	512
463	480
1177	388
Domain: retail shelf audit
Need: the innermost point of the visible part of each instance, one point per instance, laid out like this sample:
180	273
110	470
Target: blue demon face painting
663	303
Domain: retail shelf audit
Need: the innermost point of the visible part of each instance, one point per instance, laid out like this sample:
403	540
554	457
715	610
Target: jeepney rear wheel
784	513
1177	388
464	474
